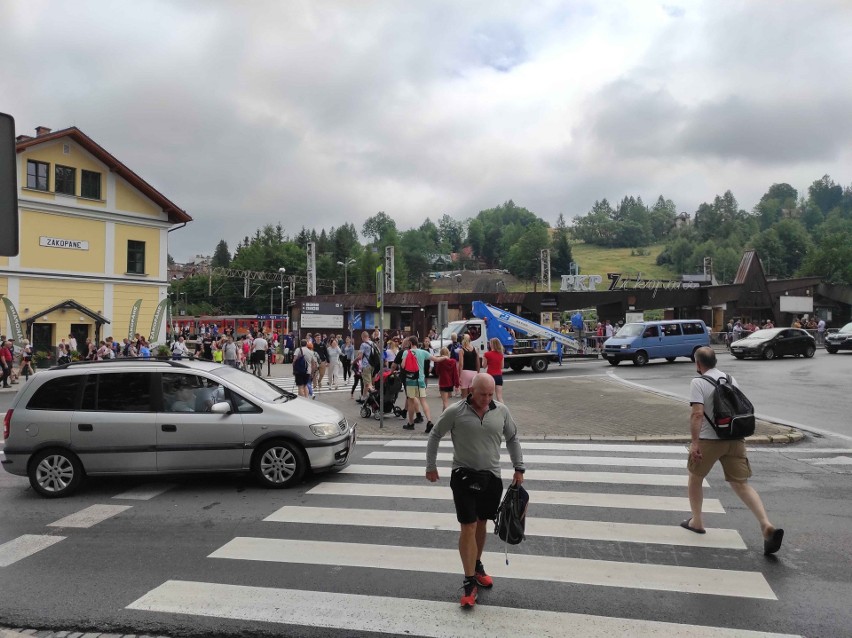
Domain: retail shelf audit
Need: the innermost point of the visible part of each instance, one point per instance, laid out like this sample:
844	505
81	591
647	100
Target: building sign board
322	314
59	242
583	283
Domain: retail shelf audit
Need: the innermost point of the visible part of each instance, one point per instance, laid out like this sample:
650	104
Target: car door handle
85	427
168	427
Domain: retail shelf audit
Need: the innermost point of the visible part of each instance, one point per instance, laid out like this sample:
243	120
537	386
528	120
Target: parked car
645	340
138	416
840	340
774	343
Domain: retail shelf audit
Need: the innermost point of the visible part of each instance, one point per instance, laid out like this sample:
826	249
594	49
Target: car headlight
624	346
325	430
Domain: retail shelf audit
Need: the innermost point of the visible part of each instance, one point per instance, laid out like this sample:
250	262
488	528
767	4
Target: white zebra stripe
90	516
545	497
544	459
616	478
563	447
406	616
25	545
556	528
696	580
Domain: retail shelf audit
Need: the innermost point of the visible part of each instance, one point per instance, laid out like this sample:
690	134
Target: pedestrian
477	426
494	365
706	448
229	352
579	326
334	354
363	358
6	361
179	349
469	365
448	377
346	358
303	377
415	389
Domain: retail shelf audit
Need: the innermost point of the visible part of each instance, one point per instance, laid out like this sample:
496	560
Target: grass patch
594	260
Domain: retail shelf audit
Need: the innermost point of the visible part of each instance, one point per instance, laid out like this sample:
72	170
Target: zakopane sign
585	283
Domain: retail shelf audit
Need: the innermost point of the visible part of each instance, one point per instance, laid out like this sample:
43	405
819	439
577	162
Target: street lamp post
346	265
282	271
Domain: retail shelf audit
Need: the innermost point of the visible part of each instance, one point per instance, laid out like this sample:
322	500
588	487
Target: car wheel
739	356
640	358
831	350
516	367
769	353
55	473
539	364
810	351
280	464
671	359
614	362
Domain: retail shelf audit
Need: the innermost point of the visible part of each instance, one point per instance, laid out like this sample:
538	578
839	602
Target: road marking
544	459
556	528
405	617
564	447
24	546
145	492
579	499
695	580
838	460
90	516
617	478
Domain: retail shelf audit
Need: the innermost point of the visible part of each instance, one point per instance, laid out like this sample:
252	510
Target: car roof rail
133	360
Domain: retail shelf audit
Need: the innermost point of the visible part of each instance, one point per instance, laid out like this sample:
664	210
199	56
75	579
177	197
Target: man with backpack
708	446
304	364
477	425
413	370
370	359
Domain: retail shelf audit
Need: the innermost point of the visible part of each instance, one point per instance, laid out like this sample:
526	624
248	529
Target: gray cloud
325	112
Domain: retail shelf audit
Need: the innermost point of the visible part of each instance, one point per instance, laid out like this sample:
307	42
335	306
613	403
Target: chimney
42	130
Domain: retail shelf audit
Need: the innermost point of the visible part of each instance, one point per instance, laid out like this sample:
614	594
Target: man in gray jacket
477	426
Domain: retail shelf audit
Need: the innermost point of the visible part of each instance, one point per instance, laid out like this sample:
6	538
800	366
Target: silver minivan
146	416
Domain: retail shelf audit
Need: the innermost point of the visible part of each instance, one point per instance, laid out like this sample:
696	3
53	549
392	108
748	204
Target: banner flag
14	320
134	318
158	319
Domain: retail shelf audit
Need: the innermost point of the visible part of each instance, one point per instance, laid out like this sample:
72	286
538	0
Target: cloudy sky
322	112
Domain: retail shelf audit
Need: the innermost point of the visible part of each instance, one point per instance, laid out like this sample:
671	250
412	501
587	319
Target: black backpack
733	413
375	359
300	363
510	522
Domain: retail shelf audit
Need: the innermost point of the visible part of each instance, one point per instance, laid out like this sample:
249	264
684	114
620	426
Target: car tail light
7	424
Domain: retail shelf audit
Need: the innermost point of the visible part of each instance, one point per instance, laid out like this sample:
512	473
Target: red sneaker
482	579
468	598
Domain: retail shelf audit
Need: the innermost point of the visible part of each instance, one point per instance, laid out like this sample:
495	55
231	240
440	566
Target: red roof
176	215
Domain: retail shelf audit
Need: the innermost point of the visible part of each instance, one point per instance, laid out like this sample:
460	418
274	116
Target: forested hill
794	234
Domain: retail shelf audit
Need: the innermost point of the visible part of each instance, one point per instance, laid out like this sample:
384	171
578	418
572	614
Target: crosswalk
378	521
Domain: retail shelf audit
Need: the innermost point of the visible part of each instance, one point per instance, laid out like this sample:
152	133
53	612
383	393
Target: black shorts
258	356
474	505
301	378
448	389
498	379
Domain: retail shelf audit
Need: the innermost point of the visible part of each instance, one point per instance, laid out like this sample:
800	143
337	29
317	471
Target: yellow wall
128	198
151	237
124	296
78	158
35	225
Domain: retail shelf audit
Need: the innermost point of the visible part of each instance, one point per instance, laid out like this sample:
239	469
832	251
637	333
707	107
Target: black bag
474	480
510	522
375	359
300	364
733	413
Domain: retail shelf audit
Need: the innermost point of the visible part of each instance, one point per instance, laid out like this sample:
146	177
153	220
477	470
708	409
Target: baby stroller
392	385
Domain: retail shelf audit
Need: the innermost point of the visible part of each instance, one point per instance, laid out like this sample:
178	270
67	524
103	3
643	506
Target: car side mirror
223	407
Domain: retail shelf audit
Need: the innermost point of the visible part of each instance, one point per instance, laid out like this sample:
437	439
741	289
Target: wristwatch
520	470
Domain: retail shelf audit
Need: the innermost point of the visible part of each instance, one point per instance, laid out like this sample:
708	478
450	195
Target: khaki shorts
367	375
415	391
732	455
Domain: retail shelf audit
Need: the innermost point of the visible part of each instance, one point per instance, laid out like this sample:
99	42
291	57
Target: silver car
138	416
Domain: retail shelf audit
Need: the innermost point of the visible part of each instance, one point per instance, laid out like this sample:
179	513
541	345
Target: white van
642	341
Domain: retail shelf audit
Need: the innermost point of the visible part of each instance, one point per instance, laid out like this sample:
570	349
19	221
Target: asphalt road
197	557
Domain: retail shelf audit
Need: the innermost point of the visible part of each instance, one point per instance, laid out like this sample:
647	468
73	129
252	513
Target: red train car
240	324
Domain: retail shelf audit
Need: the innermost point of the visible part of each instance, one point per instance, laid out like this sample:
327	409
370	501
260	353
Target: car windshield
631	330
847	329
253	385
449	331
769	333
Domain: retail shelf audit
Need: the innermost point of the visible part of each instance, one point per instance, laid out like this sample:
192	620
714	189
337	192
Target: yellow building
93	241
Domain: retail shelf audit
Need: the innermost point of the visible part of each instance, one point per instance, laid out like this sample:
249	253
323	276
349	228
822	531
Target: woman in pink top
494	362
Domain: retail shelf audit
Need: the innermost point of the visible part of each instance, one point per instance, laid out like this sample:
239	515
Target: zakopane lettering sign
584	283
58	242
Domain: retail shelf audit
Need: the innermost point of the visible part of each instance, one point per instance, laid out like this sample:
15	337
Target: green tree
451	233
380	229
525	255
831	258
221	256
778	201
476	237
825	194
561	258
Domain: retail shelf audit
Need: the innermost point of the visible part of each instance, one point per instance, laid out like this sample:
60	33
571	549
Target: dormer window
65	180
37	175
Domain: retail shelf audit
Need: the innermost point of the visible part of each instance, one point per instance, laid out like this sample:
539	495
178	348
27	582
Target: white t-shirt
259	344
701	391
